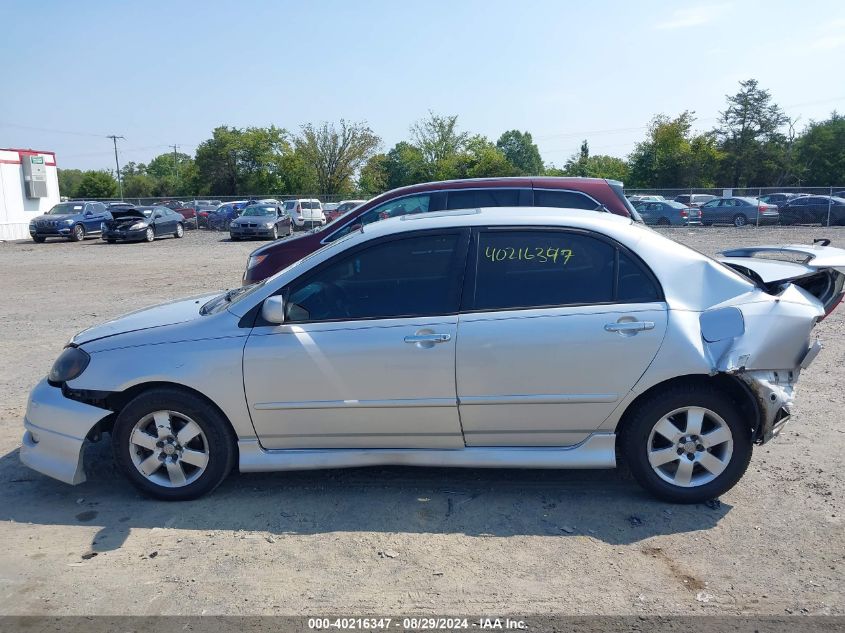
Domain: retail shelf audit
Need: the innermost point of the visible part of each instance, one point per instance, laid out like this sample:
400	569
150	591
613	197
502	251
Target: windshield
66	208
259	211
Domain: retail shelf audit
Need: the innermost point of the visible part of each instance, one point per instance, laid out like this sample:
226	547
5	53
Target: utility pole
175	161
116	163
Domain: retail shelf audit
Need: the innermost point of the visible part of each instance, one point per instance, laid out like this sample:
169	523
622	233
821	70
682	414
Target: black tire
150	234
275	232
180	231
38	239
218	433
111	241
740	220
634	440
233	238
290	229
77	233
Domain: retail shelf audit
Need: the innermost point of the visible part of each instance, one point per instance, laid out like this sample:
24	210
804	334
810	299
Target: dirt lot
396	540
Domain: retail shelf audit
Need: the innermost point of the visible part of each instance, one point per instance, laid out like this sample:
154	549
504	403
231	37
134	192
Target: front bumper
125	236
251	232
56	428
52	231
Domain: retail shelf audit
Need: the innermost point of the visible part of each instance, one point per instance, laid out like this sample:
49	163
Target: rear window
290	204
474	198
564	200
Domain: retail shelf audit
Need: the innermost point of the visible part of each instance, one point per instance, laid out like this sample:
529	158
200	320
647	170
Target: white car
305	212
527	338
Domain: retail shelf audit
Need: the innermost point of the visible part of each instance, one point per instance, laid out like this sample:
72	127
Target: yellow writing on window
527	253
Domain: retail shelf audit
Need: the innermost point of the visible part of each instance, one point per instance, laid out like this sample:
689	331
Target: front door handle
629	327
428	338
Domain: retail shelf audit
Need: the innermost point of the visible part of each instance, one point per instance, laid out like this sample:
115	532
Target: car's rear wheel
290	229
275	232
38	239
687	444
150	235
172	444
77	234
180	230
110	241
740	220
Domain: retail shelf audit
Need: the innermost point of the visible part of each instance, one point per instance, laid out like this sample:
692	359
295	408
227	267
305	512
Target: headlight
233	224
269	225
69	365
102	226
68	221
254	260
137	226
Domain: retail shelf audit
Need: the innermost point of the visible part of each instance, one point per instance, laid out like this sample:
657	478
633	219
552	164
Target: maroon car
590	194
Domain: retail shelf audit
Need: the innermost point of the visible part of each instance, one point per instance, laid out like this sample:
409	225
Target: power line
52	131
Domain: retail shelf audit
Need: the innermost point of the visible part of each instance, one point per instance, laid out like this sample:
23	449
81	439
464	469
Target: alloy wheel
169	449
690	447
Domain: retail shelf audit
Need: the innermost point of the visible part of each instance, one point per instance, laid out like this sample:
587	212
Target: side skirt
597	451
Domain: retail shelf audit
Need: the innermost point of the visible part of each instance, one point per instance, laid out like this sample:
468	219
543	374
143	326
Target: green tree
479	159
69	180
248	161
520	151
672	155
373	177
438	140
405	165
749	134
336	152
139	185
97	184
821	153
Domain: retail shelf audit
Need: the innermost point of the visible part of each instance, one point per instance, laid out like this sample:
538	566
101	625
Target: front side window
392	209
530	269
477	198
565	200
412	276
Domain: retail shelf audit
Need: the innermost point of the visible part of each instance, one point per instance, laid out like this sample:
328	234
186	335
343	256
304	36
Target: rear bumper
55	432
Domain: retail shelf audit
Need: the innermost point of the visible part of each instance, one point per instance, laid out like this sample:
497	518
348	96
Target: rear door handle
428	338
625	327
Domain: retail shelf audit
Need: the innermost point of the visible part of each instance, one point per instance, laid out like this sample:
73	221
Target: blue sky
161	73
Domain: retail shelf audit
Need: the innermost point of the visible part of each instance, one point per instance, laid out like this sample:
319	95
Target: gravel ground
396	540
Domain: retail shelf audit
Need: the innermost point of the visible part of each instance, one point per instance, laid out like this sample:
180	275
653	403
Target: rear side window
531	269
290	204
474	198
564	200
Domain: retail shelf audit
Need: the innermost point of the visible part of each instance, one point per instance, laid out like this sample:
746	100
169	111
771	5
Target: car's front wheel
38	239
180	230
150	235
687	444
77	234
172	444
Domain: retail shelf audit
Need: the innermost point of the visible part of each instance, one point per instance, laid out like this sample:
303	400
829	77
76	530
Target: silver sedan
528	338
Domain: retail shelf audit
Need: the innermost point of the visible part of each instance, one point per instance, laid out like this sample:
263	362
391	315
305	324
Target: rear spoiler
821	273
817	255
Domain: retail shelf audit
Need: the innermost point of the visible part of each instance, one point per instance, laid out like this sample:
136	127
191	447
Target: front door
557	328
366	356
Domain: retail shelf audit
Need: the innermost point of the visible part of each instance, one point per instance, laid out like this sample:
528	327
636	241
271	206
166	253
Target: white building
29	186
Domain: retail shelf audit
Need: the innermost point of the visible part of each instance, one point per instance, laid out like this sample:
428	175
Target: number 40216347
527	253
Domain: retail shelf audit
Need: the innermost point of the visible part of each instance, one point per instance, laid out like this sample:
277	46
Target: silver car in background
528	338
667	213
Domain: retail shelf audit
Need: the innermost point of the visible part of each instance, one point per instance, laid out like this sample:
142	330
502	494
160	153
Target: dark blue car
70	220
219	218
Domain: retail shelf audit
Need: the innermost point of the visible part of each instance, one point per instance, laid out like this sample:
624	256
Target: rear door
556	328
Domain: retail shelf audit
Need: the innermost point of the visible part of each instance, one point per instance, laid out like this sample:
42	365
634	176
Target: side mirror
273	310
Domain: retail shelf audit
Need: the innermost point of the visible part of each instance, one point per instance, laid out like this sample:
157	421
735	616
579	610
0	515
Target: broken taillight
832	306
